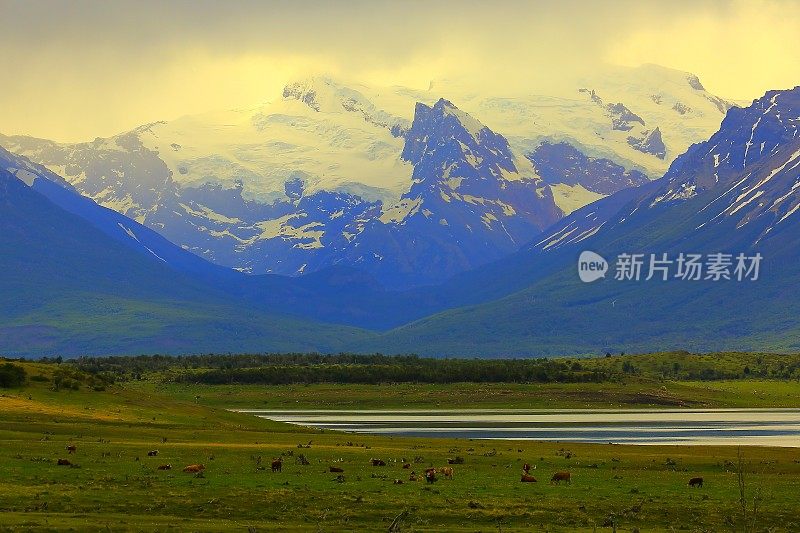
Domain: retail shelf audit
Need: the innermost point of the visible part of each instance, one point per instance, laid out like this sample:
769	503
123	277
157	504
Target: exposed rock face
651	143
623	118
563	163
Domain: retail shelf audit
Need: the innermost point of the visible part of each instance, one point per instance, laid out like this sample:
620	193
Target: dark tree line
340	368
351	368
156	363
422	371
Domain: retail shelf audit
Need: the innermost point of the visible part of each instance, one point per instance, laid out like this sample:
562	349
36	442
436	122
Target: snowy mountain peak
447	108
746	136
325	95
334	173
445	127
740	188
314	92
457	161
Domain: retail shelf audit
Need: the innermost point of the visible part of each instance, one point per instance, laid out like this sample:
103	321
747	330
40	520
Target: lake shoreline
694	427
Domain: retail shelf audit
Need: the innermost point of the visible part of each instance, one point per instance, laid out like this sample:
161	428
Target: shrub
11	375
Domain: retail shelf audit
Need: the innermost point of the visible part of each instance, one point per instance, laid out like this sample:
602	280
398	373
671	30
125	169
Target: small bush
12	375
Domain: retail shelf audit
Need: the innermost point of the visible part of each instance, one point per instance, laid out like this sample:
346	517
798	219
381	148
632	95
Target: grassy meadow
113	485
633	394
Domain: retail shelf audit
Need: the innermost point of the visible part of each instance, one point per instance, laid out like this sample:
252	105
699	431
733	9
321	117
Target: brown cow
398	481
64	462
336	469
165	467
378	462
152	453
413	476
526	468
71	448
696	482
193	469
430	475
558	477
406	465
446	472
277	465
527	479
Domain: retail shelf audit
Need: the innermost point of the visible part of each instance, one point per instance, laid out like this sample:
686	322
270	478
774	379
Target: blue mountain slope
336	294
69	288
735	192
119	227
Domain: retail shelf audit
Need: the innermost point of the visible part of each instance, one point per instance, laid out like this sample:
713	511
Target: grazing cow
406	465
71	448
152	453
526	468
194	469
336	469
430	475
558	477
413	476
446	472
165	467
696	482
378	462
527	479
277	465
64	462
398	481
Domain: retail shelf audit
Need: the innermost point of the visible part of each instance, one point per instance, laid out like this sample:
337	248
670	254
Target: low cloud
76	70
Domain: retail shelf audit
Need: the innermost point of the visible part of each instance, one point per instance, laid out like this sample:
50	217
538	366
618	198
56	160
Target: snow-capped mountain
752	163
299	183
606	114
744	179
472	201
734	195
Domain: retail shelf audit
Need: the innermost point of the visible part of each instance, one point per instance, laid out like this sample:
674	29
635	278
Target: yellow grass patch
18	405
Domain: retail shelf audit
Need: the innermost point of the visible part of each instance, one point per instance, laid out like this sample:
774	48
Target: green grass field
113	484
634	394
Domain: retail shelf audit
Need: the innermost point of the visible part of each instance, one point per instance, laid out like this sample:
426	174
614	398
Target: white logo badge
591	267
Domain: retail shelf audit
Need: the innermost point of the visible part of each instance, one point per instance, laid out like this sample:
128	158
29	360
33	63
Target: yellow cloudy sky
81	69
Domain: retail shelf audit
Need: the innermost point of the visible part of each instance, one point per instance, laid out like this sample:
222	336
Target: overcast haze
77	70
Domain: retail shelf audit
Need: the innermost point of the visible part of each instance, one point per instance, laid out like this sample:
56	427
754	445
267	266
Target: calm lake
755	427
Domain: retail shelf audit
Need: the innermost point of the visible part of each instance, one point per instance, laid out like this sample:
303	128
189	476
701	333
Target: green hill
68	289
